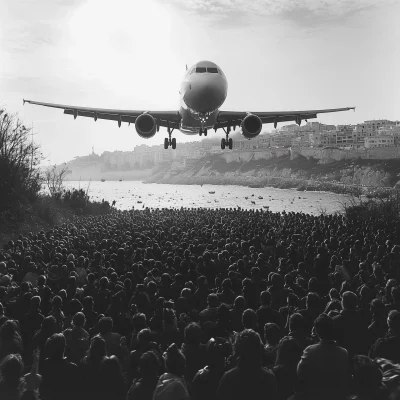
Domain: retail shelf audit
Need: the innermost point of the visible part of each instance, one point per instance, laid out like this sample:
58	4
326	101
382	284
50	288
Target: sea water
135	194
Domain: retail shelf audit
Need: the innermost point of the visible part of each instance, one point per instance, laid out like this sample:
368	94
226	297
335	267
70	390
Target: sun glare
129	45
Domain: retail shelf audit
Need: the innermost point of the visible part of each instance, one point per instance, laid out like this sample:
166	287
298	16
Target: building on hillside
297	142
302	137
347	137
315	126
141	156
327	128
206	145
289	128
187	152
379	141
281	140
216	149
371	127
395	132
323	139
264	141
243	145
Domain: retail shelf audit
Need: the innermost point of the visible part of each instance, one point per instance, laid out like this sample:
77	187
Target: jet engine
146	126
251	126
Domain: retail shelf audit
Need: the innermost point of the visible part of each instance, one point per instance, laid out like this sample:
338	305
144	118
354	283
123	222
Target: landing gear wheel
173	143
205	132
166	143
230	144
223	143
200	132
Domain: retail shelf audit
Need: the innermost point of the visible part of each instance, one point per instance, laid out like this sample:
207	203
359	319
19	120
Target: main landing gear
168	141
228	142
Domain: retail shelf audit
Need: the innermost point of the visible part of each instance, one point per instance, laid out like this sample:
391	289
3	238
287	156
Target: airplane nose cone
203	96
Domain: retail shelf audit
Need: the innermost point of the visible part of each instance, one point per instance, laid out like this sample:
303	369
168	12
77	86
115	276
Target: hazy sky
276	54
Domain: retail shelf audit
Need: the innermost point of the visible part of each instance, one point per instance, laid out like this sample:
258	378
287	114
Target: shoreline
279	183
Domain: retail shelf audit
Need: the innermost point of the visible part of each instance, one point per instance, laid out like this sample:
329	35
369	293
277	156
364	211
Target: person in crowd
193	350
272	337
60	376
143	344
239	306
10	339
265	313
211	312
89	367
285	368
312	310
77	339
172	384
389	346
206	380
143	387
112	339
11	377
248	379
31	321
112	382
297	330
57	312
367	380
351	332
47	329
378	326
324	369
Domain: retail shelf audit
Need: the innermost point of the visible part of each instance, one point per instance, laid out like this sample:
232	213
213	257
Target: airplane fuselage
203	91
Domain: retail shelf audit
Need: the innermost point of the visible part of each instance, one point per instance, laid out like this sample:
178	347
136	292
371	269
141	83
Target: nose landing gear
201	131
168	141
228	141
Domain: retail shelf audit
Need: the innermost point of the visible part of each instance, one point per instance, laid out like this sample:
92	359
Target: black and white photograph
199	200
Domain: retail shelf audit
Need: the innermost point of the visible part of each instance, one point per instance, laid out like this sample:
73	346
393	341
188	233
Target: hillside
300	172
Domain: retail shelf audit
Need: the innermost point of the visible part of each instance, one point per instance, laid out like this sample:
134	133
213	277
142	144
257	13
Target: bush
46	209
385	209
79	201
20	178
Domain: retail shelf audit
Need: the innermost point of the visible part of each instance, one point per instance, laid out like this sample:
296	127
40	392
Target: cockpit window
212	70
200	70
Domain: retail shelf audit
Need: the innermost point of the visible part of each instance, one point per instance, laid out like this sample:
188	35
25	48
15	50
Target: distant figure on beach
113	203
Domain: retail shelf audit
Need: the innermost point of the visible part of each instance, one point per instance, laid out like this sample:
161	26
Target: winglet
23	102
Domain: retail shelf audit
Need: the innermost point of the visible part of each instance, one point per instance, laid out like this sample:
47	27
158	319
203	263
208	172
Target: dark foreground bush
60	207
384	209
20	178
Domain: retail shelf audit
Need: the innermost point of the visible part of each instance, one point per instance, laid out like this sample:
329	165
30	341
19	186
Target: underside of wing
163	118
234	118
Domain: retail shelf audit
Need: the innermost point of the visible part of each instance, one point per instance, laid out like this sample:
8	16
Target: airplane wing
164	118
234	118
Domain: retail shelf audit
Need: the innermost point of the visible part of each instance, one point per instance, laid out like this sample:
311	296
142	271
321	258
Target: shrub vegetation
383	209
23	204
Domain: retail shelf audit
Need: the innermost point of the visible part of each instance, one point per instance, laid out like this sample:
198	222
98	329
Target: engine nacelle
251	126
146	126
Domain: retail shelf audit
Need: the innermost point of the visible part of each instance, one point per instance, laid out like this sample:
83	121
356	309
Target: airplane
202	93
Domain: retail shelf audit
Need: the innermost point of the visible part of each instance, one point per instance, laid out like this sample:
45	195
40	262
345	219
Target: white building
379	141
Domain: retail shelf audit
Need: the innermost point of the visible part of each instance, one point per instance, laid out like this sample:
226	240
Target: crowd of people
225	304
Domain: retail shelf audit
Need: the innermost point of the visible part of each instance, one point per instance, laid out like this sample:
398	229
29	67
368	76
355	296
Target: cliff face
260	169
